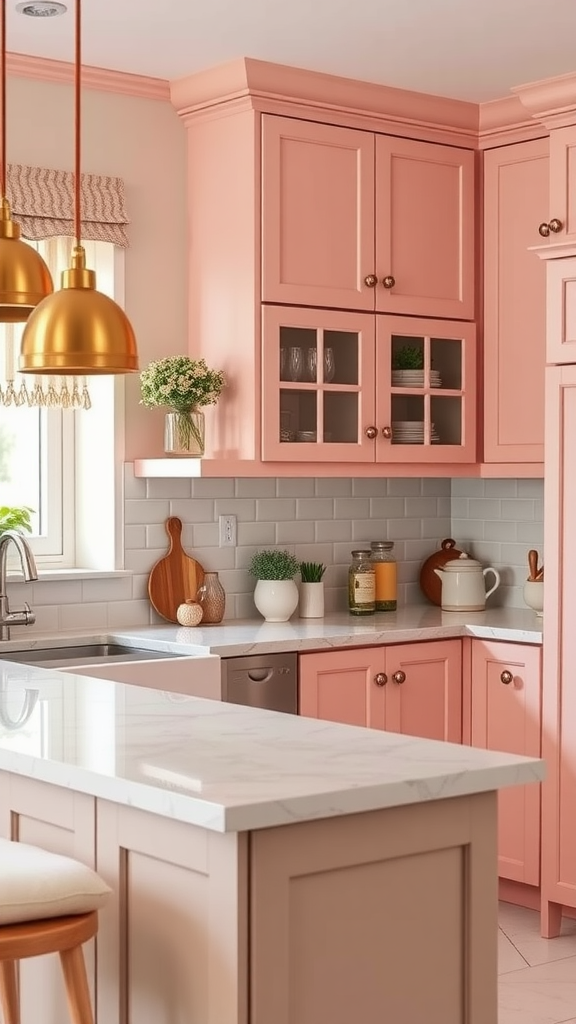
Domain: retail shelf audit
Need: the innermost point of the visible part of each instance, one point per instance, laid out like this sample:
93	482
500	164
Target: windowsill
51	575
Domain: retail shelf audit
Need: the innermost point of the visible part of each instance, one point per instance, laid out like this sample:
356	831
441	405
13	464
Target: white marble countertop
222	766
340	629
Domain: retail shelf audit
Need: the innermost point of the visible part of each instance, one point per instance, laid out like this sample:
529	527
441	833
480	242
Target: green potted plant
312	590
183	385
16	517
409	357
275	594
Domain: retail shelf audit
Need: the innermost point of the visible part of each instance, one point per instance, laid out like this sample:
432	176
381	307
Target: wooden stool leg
9	992
76	983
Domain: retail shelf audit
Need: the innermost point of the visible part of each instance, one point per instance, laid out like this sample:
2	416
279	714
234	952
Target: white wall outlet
227	528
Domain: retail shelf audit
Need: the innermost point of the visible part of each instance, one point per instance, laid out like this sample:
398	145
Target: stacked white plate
414	379
412	432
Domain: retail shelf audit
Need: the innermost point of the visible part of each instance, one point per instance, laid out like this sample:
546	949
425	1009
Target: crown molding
505	121
267	84
46	70
551	101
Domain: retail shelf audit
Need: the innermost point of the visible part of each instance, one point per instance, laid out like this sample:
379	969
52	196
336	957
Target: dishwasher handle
260	675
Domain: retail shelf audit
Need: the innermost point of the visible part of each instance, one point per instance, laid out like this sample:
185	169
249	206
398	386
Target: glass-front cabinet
354	387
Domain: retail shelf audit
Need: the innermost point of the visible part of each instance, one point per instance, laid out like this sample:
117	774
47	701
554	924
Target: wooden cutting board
176	577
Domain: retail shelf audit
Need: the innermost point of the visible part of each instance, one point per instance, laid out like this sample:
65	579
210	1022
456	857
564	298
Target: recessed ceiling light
41	8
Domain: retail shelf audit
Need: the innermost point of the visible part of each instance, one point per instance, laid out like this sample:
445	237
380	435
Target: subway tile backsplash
320	520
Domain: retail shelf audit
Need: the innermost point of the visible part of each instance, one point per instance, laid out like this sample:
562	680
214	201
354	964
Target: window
44	427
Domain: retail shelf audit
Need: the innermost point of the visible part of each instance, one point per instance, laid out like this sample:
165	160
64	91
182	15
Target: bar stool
48	904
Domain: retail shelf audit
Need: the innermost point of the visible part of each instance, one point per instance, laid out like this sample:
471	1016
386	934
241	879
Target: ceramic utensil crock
463	585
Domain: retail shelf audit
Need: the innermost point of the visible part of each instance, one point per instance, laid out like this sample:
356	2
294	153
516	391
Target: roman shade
42	203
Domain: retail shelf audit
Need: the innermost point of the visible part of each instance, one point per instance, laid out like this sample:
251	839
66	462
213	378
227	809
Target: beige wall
143	142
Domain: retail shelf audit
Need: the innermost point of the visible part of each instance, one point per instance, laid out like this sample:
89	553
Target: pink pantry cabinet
409	688
361	220
332	391
505	711
559	693
516	189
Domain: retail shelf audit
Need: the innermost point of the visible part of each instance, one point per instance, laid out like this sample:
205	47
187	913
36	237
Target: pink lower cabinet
62	821
506	685
409	688
387	917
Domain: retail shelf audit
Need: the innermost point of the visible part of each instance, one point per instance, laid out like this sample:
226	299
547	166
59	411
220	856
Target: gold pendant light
78	331
24	277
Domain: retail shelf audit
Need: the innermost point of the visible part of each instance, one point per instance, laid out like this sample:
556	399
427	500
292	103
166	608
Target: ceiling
457	48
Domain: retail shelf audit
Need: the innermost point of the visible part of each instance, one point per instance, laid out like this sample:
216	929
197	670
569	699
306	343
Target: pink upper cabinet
516	187
561	225
317	214
424	228
354	220
561	311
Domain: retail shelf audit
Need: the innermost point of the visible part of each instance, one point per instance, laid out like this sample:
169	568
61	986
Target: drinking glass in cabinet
311	364
329	365
295	363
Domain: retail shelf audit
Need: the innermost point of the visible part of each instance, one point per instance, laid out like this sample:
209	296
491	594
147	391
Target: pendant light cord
3	100
77	121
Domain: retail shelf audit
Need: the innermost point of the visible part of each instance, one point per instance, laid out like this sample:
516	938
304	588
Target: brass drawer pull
399	677
381	679
371	280
506	677
553	226
388	281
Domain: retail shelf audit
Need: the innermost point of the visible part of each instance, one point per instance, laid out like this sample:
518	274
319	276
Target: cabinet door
505	711
561	311
317	386
424	692
424	228
516	187
563	184
317	214
426	414
346	686
559	688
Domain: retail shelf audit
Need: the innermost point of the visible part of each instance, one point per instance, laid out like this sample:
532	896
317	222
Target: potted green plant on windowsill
312	590
16	517
276	593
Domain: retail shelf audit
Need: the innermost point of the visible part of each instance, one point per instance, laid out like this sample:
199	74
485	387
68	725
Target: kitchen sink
85	654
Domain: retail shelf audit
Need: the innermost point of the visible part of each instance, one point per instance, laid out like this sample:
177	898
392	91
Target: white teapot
463	586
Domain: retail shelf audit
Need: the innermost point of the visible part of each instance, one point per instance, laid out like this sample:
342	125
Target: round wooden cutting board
176	577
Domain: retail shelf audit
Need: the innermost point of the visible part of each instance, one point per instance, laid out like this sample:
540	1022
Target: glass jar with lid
361	584
386	583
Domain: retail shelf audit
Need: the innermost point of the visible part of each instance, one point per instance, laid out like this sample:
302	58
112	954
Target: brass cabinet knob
371	280
506	677
553	225
399	677
371	432
388	281
387	432
380	679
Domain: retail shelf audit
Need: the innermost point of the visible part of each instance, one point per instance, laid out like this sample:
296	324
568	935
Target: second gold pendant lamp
78	331
24	277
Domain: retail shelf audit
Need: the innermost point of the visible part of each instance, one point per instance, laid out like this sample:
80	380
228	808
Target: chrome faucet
23	616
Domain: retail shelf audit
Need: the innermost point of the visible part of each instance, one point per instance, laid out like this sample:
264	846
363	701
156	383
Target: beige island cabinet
266	868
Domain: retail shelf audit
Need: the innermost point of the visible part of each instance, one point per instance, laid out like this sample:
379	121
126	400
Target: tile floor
537	983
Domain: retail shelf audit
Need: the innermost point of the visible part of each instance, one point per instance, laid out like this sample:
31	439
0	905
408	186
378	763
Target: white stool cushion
35	884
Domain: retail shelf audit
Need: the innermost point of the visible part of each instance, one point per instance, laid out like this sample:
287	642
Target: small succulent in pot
312	572
274	564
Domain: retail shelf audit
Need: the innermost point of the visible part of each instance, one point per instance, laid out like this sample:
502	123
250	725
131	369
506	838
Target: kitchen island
266	868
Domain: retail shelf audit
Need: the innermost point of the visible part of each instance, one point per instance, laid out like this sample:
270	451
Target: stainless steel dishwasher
262	681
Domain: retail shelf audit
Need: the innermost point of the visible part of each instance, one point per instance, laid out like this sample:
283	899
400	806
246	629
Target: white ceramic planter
312	600
276	600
